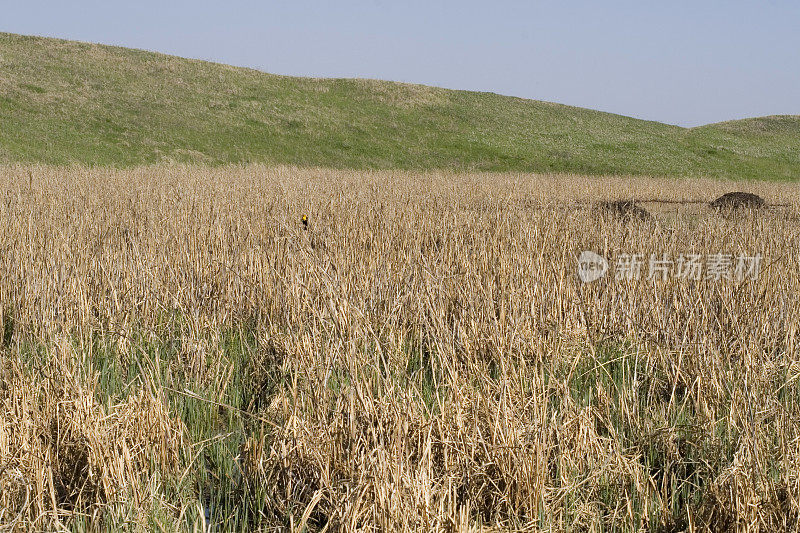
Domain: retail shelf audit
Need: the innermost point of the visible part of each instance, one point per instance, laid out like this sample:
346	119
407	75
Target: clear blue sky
680	62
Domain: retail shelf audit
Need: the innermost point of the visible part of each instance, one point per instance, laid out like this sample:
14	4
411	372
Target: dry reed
423	357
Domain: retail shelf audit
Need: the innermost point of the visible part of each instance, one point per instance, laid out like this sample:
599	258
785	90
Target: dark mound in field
738	200
623	210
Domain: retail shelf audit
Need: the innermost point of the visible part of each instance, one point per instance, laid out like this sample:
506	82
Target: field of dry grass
178	352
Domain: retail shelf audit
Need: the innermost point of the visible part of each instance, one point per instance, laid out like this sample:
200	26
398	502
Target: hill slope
67	102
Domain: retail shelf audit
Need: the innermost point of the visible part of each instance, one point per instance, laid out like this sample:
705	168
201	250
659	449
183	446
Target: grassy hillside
63	102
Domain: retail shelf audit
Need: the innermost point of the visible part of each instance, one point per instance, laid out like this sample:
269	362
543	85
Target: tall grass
178	352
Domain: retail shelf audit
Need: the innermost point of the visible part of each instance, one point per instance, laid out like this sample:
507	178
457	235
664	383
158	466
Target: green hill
65	102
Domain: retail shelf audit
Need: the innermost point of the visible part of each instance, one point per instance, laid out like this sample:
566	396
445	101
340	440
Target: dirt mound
623	209
738	200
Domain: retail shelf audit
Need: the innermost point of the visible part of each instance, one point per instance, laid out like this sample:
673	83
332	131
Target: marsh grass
179	353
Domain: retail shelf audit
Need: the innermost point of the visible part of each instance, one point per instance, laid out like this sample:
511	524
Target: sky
680	62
